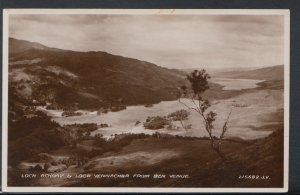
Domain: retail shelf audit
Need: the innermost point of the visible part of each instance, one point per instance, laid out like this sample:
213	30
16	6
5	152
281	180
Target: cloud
174	41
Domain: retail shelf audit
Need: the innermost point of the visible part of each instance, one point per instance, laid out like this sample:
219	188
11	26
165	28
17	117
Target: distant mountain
87	79
268	73
216	70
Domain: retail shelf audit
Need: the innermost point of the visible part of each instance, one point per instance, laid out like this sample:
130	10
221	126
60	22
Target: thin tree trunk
216	147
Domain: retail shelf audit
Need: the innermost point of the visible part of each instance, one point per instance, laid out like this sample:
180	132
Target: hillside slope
88	79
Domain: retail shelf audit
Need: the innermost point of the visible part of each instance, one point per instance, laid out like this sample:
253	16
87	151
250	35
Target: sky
172	41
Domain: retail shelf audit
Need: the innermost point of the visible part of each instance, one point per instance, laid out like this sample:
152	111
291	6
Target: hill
87	79
268	73
18	46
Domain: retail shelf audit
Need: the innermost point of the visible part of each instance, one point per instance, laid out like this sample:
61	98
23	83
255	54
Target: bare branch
202	114
225	126
187	105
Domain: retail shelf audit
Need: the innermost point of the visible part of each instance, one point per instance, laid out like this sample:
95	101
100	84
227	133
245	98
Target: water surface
236	84
245	121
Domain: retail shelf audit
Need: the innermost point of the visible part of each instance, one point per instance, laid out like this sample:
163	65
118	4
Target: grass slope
205	169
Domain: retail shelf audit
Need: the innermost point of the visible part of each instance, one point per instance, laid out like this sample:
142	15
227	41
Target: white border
6	12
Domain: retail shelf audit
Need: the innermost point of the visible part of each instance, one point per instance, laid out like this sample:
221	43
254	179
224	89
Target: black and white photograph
172	100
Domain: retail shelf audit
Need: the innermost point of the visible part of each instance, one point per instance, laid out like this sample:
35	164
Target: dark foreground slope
264	158
87	79
249	164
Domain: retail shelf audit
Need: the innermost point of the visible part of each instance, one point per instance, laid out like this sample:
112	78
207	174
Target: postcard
145	100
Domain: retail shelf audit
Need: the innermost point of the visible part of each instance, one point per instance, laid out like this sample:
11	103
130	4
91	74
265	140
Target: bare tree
199	84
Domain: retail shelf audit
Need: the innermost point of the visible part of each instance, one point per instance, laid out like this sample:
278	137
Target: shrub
179	115
71	113
156	122
36	168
